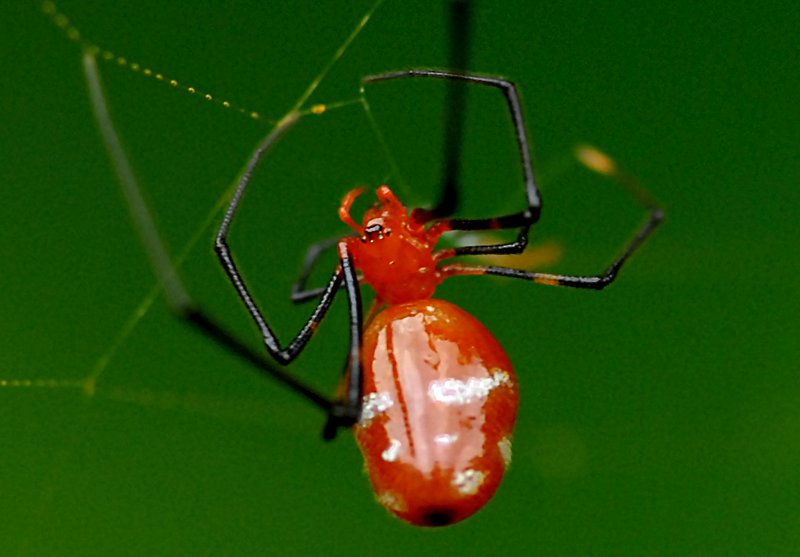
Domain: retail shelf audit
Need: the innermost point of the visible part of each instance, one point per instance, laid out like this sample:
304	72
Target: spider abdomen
440	400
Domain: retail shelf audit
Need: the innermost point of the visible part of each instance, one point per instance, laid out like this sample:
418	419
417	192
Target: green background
659	417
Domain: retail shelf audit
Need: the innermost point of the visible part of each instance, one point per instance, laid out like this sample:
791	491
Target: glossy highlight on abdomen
440	400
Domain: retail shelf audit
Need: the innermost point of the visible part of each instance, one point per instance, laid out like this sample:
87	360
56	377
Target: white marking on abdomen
458	392
374	404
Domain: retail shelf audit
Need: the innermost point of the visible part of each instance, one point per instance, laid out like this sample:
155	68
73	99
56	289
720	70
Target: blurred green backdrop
660	417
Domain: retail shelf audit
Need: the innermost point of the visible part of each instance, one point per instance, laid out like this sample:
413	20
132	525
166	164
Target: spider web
116	419
65	460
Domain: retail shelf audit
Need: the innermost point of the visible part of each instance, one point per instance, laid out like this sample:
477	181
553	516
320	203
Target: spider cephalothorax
392	250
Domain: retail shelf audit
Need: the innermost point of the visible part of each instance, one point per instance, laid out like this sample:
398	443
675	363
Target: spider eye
375	230
372	229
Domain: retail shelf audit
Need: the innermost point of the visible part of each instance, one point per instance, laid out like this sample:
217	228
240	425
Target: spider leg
347	411
340	414
601	163
523	219
460	20
176	294
282	355
300	293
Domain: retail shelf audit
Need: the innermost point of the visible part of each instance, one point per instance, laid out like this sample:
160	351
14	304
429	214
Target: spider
429	392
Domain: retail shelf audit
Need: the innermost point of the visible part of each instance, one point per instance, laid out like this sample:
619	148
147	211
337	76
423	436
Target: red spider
429	392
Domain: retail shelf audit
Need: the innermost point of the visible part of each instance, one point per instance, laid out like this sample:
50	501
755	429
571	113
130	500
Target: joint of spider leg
334	423
345	415
532	214
184	308
595	283
599	283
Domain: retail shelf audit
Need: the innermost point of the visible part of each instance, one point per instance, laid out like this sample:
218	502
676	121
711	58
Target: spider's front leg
346	412
181	301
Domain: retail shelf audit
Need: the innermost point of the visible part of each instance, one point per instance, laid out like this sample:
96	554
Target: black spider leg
460	18
522	219
341	414
599	163
300	293
178	298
